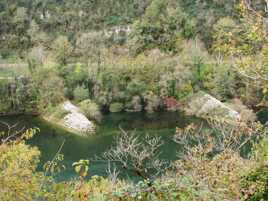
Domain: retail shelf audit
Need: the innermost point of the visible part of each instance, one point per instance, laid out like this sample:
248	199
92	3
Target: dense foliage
137	55
199	174
134	53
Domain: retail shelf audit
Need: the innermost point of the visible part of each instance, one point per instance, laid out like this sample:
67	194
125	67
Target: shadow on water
51	137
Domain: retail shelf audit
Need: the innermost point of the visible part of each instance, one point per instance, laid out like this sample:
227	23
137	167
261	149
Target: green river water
50	137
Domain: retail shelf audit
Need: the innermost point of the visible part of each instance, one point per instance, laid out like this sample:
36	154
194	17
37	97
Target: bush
116	107
19	178
135	87
74	75
261	150
59	112
254	185
224	82
80	93
91	110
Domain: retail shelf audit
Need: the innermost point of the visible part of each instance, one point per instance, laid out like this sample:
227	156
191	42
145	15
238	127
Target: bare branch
138	155
10	134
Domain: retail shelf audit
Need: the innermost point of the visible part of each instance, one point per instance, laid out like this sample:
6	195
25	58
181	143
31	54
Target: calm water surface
51	137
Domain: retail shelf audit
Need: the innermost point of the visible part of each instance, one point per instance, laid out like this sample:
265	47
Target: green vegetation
91	110
132	56
116	107
135	52
198	175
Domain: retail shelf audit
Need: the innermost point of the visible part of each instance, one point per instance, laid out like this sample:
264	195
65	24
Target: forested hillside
110	56
132	53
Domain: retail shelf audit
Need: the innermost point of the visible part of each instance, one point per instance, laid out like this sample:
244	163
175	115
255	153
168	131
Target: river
50	137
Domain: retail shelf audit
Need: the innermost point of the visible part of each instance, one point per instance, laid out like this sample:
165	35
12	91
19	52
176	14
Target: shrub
91	110
185	90
261	150
60	112
224	82
19	179
74	75
80	93
116	107
254	185
136	87
254	182
161	189
221	36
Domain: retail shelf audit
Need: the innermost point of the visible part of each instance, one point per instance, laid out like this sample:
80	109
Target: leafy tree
162	26
226	36
19	179
50	88
62	49
81	93
89	45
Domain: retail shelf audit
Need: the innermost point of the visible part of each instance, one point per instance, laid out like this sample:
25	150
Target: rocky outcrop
69	116
204	105
76	120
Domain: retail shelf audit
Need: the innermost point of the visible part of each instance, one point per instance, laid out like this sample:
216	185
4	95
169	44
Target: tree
81	93
163	26
89	46
50	88
241	42
19	179
62	49
139	156
226	36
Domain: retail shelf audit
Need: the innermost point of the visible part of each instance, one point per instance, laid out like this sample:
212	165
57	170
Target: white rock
77	121
68	106
204	105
